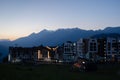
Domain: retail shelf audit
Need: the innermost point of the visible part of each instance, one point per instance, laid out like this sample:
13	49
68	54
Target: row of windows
92	43
93	49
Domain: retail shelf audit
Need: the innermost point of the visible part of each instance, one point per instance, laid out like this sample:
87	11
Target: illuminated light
54	49
39	54
48	54
51	48
48	47
9	57
74	44
83	62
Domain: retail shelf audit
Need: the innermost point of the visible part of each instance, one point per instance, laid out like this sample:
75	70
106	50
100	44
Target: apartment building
81	48
69	51
92	48
112	49
105	49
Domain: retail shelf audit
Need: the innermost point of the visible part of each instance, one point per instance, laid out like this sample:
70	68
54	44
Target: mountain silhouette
46	37
51	38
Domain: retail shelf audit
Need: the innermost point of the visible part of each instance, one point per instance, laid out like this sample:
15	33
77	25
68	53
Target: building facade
81	48
112	49
92	48
33	54
104	49
69	51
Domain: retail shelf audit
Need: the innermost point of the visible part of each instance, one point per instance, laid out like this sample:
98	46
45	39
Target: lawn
56	72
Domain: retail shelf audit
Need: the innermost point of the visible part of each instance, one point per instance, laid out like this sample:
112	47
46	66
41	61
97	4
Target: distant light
9	57
74	44
83	62
119	40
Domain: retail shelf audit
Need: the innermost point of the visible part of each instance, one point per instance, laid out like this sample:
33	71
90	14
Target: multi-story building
92	48
118	56
112	49
60	53
69	51
101	47
104	49
81	48
20	54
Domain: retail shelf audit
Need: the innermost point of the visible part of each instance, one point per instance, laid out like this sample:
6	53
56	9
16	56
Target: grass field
56	72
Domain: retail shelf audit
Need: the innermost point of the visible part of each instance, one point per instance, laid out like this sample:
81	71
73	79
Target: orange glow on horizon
12	37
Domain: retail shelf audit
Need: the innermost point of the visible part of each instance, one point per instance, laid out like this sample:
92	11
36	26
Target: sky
19	18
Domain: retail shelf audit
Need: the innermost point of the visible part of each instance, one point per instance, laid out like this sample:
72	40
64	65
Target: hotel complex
95	49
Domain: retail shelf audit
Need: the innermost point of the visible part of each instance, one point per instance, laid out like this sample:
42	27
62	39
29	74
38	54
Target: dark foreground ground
57	72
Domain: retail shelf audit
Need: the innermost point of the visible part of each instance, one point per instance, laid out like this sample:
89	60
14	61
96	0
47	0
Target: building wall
118	50
69	51
101	47
92	48
18	54
81	47
105	49
112	49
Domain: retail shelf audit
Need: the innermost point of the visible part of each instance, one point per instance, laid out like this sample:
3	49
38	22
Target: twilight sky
20	18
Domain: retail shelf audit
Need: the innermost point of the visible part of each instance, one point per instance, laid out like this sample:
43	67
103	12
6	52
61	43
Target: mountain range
51	38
